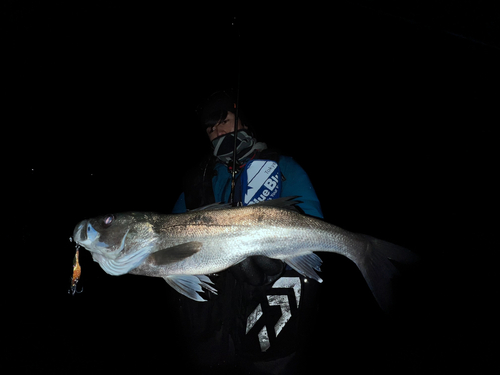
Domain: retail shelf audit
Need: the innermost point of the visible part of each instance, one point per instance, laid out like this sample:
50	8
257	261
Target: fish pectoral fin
306	264
175	253
190	285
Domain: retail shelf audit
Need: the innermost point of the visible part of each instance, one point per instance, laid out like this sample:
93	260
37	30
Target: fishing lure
77	271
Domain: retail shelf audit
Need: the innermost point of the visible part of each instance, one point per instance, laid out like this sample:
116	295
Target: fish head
118	242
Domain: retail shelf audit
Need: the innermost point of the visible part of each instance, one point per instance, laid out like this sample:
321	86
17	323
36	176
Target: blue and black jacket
295	182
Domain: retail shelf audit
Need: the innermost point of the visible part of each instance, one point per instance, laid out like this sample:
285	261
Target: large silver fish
183	248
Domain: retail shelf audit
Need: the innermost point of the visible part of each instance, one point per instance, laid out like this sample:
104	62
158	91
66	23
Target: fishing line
238	75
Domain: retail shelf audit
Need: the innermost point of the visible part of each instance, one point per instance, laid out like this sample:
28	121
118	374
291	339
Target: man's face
223	127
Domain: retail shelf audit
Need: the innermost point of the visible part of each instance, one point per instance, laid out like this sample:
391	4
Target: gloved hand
258	270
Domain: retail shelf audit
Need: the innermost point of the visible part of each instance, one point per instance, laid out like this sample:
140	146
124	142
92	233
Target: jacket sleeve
180	205
297	183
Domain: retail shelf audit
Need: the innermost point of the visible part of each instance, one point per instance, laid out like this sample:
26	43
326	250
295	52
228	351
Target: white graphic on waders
275	300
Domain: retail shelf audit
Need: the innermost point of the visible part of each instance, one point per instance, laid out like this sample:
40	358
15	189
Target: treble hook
73	290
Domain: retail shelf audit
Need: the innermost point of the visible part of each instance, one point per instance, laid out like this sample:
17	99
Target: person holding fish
245	271
242	324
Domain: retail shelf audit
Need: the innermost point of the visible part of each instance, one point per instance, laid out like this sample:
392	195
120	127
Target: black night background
391	110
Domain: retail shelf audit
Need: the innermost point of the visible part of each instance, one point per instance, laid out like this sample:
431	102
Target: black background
391	112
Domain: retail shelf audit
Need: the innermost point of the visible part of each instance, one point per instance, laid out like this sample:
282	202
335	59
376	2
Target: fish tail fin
375	263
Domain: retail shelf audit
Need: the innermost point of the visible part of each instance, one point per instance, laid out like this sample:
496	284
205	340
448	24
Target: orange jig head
77	271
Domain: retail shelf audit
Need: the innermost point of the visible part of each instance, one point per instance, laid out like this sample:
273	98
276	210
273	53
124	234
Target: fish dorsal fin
175	253
212	207
284	202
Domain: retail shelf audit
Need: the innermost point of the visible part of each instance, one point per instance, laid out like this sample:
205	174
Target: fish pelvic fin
378	270
175	253
306	264
190	285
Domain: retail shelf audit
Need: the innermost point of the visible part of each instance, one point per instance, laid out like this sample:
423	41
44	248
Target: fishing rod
238	74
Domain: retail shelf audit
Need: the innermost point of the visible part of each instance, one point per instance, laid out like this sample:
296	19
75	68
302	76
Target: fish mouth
80	235
113	264
85	235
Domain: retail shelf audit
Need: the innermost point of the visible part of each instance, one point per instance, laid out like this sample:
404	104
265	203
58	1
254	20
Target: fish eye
108	220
